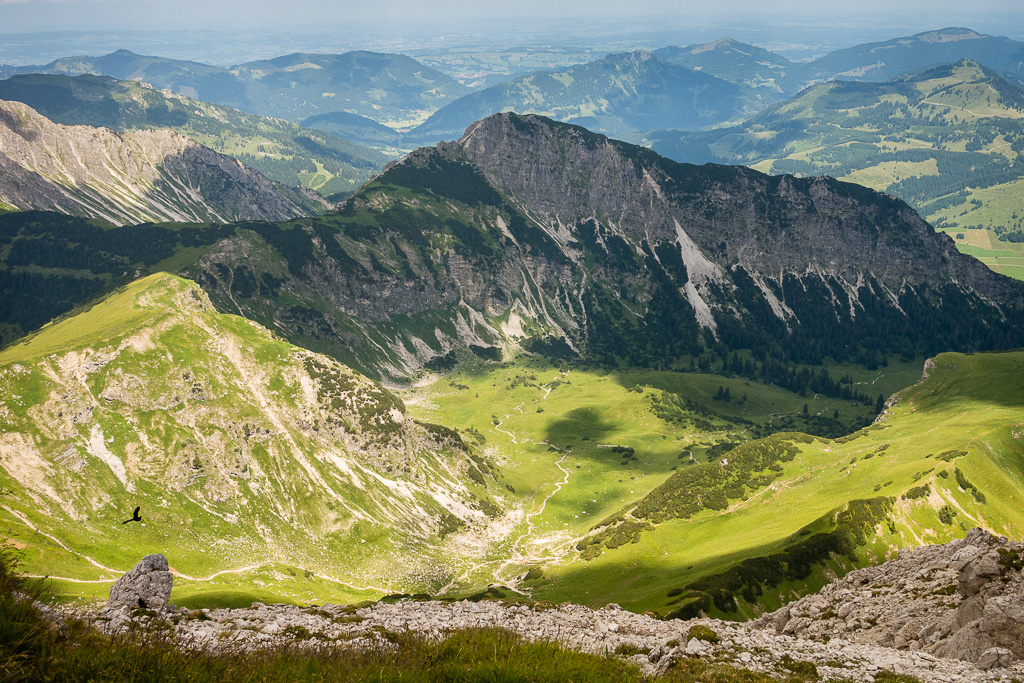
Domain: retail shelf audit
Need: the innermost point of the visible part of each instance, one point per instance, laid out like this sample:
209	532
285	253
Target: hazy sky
41	15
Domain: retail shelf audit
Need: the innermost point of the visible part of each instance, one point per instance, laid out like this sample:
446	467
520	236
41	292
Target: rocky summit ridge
944	613
526	227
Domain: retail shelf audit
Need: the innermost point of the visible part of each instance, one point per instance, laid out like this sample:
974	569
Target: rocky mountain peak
733	215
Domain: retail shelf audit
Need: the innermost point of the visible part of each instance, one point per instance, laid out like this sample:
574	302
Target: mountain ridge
242	86
144	176
283	151
621	94
548	228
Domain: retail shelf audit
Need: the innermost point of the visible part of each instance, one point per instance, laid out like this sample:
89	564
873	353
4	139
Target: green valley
506	473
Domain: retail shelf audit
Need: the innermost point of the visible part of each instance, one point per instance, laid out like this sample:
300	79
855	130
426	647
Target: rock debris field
945	613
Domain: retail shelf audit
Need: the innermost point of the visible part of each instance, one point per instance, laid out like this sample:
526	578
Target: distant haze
42	15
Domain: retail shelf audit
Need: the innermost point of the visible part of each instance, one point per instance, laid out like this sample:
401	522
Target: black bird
135	517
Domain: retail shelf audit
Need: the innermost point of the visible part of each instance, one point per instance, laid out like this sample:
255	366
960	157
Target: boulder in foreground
147	585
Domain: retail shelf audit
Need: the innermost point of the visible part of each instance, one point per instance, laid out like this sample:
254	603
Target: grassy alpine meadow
577	444
946	457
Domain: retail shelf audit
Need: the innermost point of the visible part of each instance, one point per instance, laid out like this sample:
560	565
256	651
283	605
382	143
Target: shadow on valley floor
577	426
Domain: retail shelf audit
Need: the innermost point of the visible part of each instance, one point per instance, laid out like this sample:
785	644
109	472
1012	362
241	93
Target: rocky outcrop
963	600
152	175
658	644
147	585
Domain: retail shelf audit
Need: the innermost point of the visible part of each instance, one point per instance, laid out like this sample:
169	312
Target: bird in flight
135	517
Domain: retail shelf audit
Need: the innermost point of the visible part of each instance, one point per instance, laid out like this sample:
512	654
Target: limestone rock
695	647
978	572
147	585
993	657
959	601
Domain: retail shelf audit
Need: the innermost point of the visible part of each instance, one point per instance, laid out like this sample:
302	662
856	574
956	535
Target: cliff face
132	177
768	225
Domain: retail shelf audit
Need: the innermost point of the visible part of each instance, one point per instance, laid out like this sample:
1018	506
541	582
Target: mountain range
392	89
145	175
618	95
741	63
540	231
282	151
532	360
616	253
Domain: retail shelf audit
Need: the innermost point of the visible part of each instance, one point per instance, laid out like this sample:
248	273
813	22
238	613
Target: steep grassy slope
252	460
282	151
947	141
131	177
